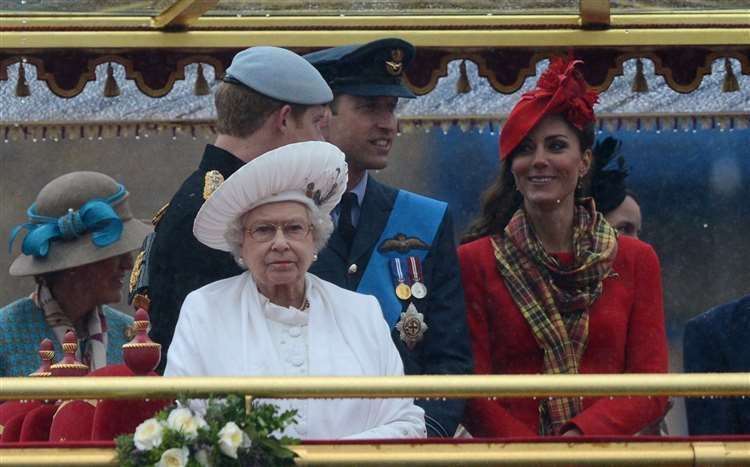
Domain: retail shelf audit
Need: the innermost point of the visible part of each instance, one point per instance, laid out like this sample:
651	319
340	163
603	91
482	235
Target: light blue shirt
359	191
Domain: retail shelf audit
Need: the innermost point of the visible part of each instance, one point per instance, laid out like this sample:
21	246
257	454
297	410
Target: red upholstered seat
11	418
115	370
37	422
115	417
72	422
12	429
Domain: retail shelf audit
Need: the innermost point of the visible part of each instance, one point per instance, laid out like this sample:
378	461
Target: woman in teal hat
77	245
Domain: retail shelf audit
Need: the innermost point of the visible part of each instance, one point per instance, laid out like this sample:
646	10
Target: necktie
346	227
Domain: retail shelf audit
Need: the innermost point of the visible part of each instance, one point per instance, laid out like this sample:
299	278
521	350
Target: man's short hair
240	111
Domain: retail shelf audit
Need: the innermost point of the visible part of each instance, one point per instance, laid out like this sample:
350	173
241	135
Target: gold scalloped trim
141	345
68	366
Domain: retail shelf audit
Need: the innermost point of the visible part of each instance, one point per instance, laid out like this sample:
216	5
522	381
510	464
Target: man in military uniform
391	243
269	97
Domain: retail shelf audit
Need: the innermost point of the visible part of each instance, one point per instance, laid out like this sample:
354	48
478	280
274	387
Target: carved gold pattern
140	345
67	366
211	182
136	272
159	214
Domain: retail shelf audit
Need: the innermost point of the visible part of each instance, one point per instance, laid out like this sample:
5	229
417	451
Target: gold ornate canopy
154	40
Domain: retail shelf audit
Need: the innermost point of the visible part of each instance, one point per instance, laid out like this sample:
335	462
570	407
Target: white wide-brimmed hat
313	173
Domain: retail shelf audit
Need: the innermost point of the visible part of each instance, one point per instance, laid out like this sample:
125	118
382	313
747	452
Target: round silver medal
418	290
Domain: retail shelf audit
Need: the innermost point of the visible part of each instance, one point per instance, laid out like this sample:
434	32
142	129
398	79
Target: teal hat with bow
78	218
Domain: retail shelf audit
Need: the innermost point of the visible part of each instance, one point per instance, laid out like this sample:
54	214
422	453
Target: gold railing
630	452
457	387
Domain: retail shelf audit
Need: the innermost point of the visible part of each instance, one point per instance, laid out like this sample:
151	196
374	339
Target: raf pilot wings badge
402	244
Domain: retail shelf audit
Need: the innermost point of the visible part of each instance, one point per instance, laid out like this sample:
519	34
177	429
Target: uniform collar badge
211	181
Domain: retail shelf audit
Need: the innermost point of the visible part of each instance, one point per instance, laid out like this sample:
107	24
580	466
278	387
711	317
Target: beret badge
394	66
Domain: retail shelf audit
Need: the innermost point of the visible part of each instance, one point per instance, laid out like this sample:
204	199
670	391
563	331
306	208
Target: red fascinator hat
560	90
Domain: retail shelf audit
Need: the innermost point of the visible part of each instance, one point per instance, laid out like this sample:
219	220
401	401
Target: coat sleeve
395	418
184	359
707	416
446	349
646	352
484	418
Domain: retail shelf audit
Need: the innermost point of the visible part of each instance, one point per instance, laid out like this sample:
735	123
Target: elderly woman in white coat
276	319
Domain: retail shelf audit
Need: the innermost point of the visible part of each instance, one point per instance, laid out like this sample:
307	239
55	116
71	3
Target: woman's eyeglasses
267	231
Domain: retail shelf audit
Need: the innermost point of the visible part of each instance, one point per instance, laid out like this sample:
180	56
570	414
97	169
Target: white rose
230	439
182	419
175	457
148	435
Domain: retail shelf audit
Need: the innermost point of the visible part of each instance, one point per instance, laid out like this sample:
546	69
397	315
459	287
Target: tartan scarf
555	299
92	336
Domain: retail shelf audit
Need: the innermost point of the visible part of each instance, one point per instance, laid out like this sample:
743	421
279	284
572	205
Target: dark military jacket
445	348
718	341
178	262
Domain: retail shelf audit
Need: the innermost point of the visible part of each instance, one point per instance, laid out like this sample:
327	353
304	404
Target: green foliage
262	445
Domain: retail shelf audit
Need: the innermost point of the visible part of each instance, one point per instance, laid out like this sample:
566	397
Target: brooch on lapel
411	327
317	196
400	243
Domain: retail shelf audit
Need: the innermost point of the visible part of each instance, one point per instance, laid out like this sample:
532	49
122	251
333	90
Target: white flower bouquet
225	436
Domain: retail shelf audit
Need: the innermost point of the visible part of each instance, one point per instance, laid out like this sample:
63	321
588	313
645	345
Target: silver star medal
411	326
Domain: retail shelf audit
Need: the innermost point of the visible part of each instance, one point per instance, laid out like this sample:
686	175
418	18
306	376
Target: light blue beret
280	74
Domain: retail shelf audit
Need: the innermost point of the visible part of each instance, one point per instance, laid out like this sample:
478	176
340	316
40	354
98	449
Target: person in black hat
619	204
390	243
269	97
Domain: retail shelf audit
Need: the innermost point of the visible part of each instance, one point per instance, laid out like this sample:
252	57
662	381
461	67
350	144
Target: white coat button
353	269
298	360
295	331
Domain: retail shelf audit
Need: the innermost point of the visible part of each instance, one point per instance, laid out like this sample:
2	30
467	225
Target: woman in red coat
550	287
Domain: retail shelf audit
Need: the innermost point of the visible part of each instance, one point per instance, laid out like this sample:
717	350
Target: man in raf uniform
269	97
391	243
718	341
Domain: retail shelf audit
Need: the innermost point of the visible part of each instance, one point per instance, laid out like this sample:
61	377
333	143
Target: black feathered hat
608	184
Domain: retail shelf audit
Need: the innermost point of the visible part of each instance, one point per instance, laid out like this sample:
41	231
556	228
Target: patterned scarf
92	338
555	299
